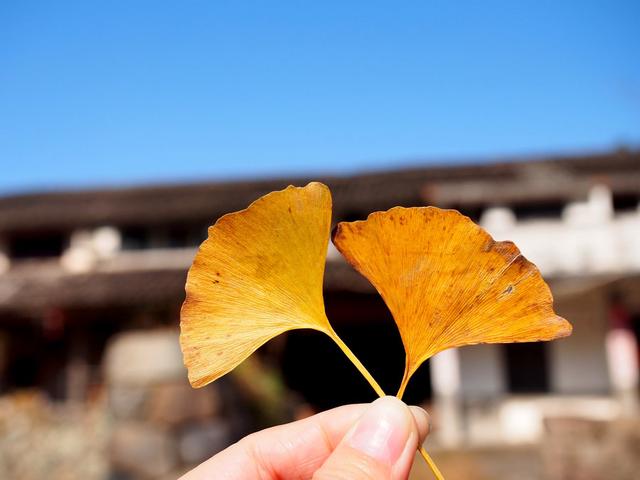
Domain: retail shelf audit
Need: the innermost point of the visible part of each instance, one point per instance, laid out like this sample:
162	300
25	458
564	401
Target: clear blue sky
122	92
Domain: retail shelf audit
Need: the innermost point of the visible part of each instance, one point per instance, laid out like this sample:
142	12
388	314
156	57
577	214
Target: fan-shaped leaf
258	274
447	282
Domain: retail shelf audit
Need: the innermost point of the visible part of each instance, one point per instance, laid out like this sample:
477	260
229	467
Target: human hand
375	441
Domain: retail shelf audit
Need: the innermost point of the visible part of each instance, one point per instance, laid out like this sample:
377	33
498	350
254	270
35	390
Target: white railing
589	238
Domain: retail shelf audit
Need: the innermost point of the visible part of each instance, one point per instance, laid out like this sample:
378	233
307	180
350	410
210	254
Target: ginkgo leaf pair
445	280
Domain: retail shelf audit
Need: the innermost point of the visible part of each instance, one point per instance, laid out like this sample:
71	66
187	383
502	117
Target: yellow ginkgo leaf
258	274
447	282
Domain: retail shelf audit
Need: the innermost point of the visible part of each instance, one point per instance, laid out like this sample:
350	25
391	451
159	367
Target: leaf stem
365	373
358	364
431	463
404	382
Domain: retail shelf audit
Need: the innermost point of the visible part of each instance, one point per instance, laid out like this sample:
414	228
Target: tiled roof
356	194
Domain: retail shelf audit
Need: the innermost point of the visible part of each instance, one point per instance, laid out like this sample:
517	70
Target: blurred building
78	267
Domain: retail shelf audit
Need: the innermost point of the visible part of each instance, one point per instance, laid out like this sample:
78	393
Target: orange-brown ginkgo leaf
447	282
258	274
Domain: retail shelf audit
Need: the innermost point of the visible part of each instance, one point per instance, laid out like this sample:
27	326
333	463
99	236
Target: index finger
291	451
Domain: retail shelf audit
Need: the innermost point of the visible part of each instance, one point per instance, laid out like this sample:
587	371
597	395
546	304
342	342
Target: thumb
380	446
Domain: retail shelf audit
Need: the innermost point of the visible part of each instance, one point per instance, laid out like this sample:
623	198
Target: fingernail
383	431
423	421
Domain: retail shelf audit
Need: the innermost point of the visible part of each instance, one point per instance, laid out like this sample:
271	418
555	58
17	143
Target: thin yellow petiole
404	382
365	373
431	463
361	368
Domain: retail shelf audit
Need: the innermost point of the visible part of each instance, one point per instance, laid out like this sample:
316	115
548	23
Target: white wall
578	363
482	371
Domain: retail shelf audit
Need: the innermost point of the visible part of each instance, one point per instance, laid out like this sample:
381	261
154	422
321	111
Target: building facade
79	267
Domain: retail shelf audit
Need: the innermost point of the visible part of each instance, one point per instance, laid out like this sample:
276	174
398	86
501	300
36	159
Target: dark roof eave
205	202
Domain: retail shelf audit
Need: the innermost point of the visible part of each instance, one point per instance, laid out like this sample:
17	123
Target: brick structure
161	426
583	449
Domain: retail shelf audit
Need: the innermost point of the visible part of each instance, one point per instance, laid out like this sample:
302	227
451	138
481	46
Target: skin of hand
376	441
